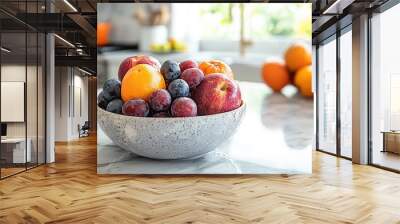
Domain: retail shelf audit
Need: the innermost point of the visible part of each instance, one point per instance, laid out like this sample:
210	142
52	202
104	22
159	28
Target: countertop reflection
274	137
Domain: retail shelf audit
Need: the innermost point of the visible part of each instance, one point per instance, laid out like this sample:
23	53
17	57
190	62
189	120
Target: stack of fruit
172	45
174	89
295	70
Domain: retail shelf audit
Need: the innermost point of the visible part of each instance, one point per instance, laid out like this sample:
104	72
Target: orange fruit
297	56
303	81
140	82
103	30
216	66
275	75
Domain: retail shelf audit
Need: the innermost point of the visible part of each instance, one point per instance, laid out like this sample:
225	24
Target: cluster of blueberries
173	102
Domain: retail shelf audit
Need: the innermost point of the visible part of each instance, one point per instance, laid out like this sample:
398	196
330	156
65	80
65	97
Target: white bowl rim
242	106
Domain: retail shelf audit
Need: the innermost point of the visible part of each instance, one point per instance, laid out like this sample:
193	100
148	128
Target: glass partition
41	97
31	98
22	91
385	90
13	94
327	96
346	94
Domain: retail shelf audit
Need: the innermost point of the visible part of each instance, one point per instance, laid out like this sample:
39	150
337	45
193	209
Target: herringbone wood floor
70	191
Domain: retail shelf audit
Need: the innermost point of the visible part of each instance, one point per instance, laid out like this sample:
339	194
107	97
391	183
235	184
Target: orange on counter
216	66
140	82
303	81
275	75
103	30
297	56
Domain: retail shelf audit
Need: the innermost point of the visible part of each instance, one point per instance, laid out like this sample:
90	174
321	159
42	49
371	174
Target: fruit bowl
170	138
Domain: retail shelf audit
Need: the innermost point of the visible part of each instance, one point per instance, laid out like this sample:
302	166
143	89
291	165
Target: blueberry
115	106
178	88
170	70
113	87
103	99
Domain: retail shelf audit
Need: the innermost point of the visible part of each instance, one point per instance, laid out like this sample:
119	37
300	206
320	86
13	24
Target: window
327	96
385	89
346	94
261	21
394	102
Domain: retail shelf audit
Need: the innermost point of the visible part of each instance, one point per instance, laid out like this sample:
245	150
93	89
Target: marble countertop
228	57
275	137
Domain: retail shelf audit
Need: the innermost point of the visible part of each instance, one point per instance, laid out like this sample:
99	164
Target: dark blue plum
113	87
115	106
103	99
170	70
178	88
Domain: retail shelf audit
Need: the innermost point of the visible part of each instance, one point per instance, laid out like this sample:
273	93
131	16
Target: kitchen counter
274	137
245	68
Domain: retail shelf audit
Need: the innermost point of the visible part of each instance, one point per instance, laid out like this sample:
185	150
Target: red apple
216	94
135	60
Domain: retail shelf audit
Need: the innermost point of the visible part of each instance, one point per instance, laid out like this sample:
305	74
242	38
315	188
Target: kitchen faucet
243	43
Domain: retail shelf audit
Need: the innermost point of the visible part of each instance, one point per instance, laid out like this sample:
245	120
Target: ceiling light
70	5
5	50
79	51
64	40
84	71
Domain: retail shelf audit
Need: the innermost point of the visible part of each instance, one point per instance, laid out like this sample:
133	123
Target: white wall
80	83
120	15
33	126
12	73
61	103
67	115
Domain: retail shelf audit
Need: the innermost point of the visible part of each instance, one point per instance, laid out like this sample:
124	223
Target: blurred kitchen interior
243	35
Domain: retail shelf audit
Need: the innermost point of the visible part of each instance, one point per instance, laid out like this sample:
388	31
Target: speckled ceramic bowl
170	138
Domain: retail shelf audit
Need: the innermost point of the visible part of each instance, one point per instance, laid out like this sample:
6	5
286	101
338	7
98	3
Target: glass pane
221	21
386	89
41	98
225	17
31	98
280	20
327	96
13	86
32	88
346	93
